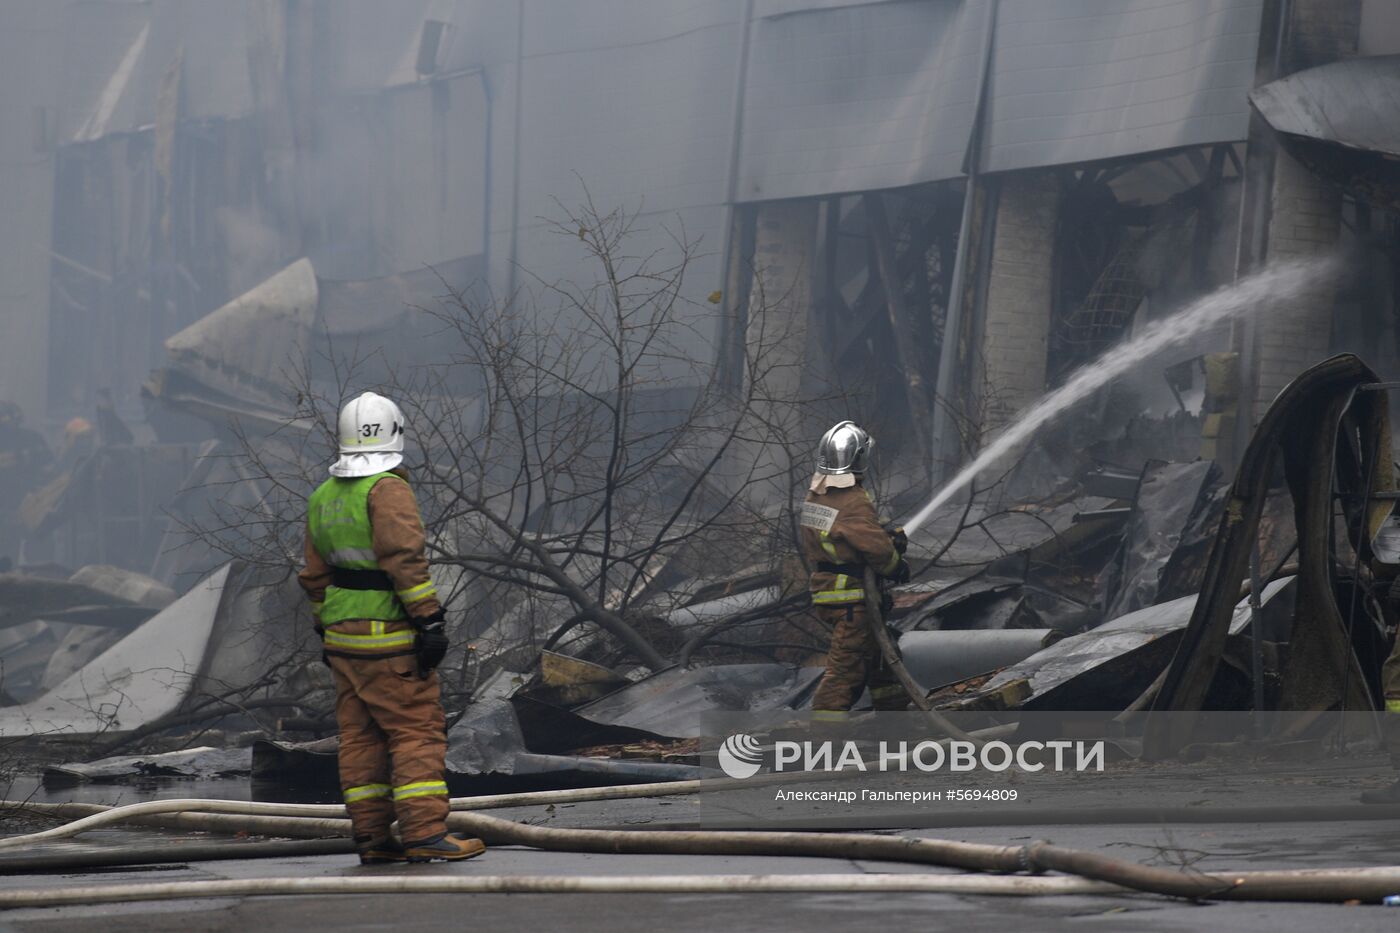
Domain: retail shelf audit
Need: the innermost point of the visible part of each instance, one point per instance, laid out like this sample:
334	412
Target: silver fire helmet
844	449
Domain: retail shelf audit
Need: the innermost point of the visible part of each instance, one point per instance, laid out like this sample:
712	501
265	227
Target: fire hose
875	618
1016	868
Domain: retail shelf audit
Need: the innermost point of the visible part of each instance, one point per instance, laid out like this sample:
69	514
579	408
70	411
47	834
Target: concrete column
785	245
1322	31
1295	332
1016	318
29	76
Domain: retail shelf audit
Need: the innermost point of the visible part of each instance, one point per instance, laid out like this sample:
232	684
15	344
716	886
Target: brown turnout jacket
839	526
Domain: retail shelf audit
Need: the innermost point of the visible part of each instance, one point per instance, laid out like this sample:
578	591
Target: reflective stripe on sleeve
366	792
830	715
420	789
890	564
415	594
828	547
1392	706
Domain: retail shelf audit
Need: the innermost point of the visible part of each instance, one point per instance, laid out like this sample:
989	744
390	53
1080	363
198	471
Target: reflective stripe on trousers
378	638
420	789
838	597
366	792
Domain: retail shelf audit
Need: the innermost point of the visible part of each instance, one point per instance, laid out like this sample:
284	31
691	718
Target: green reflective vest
338	521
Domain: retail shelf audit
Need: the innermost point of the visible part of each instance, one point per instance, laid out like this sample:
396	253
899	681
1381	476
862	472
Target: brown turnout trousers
840	537
392	743
853	662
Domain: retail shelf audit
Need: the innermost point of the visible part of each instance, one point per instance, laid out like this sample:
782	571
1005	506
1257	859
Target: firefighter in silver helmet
841	536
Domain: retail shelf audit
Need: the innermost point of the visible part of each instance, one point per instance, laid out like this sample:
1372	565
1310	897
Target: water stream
1247	294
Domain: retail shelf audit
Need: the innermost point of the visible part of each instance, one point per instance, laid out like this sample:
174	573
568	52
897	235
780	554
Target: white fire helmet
371	433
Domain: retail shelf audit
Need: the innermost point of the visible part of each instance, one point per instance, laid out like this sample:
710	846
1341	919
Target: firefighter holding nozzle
841	536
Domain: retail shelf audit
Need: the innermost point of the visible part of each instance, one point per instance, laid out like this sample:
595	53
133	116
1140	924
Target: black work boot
449	847
1390	795
379	851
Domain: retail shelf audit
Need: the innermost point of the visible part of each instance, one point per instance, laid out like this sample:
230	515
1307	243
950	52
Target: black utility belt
347	579
850	570
364	656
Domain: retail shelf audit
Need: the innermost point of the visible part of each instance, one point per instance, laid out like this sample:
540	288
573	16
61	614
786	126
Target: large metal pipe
943	657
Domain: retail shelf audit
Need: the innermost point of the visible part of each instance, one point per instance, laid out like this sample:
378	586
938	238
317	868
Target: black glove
431	643
900	574
898	537
321	634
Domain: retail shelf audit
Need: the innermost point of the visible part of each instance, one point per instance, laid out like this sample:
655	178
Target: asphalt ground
1205	847
1210	793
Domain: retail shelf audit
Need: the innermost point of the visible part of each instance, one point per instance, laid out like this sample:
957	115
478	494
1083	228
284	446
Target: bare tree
581	471
601	466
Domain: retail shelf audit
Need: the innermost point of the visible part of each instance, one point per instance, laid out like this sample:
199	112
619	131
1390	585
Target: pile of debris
1160	589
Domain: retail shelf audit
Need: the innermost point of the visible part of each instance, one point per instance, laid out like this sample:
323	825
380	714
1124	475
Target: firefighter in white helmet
382	633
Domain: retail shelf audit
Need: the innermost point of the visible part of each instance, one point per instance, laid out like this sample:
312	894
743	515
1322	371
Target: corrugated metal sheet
1078	80
636	100
116	54
634	115
620	25
1353	103
766	9
851	99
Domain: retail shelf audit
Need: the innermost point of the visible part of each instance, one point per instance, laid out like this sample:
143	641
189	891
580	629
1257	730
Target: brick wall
1016	322
1305	213
1294	333
785	242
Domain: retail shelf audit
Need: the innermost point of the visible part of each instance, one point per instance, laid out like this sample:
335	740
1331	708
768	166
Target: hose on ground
1338	885
1326	885
191	819
972	856
247	811
327	814
316	828
1304	885
34	863
554	884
